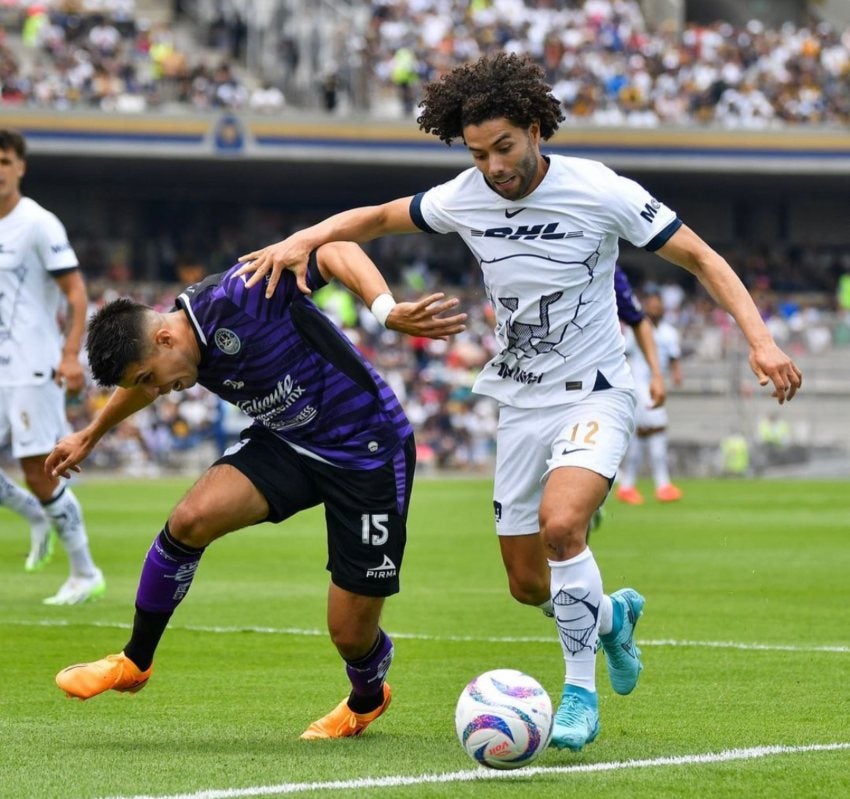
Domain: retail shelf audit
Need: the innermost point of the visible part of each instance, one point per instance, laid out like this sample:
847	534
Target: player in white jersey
39	281
545	232
651	421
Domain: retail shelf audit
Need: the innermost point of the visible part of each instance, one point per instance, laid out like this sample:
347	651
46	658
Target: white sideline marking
531	639
482	774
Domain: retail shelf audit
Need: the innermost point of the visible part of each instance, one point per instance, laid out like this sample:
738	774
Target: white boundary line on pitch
484	774
662	642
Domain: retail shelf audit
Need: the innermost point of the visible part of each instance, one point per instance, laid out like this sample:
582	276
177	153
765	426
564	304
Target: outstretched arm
347	262
357	224
73	449
769	363
69	371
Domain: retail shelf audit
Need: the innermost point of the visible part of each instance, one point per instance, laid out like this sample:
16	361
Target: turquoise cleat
622	657
577	719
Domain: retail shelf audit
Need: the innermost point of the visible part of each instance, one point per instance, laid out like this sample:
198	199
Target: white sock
21	501
606	615
576	587
67	516
657	444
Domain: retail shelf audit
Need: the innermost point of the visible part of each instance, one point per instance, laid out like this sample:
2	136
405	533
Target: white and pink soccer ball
504	719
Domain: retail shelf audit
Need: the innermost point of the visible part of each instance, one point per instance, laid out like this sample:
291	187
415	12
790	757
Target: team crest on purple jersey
227	341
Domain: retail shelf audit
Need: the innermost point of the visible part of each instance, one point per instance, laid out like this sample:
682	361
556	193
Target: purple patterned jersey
283	363
628	306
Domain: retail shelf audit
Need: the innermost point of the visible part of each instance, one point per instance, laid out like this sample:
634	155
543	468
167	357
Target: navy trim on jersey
601	383
62	272
416	214
660	239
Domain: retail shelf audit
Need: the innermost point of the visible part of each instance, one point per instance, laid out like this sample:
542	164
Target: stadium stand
604	62
622	79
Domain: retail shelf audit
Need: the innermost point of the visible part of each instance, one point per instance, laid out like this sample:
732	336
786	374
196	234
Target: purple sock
367	674
167	573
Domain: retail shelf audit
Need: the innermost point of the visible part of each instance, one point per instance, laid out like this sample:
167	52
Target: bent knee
352	641
565	527
193	524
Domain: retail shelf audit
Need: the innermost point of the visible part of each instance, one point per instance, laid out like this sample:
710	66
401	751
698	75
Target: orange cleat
114	672
343	722
668	493
631	496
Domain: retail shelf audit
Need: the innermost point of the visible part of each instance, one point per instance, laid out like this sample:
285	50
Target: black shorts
365	509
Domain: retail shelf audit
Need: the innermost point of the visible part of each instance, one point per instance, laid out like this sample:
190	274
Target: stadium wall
300	137
134	181
141	179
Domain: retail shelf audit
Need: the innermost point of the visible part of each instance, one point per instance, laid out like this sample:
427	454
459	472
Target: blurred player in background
651	419
327	431
40	280
545	231
639	330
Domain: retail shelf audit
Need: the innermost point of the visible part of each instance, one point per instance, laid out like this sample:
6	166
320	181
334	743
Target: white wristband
381	307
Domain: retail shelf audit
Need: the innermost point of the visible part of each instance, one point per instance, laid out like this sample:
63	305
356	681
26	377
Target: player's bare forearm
357	224
346	262
768	362
69	371
73	449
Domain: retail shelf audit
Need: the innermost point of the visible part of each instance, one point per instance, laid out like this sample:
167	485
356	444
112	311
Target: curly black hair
116	339
505	85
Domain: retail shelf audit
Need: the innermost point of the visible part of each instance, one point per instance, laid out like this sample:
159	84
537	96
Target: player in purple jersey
327	430
544	229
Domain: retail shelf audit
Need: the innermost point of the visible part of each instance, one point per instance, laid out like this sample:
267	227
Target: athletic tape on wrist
381	307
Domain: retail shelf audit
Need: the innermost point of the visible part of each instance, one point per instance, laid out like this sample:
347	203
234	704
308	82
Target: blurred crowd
608	68
100	54
604	63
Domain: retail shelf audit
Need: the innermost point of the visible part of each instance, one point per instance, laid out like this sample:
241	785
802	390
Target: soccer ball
504	719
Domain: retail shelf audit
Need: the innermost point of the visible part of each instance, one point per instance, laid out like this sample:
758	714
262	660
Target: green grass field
746	641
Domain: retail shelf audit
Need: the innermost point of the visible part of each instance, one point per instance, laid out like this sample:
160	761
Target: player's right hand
270	262
771	365
67	455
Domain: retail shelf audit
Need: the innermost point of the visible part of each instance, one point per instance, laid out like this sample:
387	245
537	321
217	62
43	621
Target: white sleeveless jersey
548	265
33	244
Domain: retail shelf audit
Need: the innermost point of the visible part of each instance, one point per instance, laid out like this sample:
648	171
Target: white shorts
33	417
593	433
646	416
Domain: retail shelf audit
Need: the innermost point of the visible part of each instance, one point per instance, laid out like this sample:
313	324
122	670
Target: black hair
13	140
117	338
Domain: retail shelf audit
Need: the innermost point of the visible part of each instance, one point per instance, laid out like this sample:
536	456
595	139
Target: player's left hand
273	260
771	365
70	375
657	391
423	317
